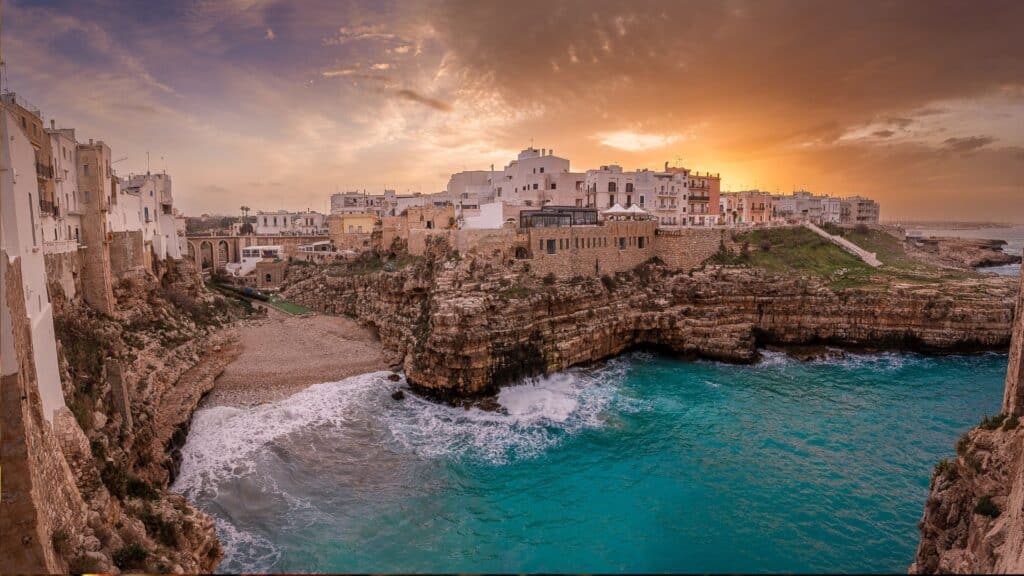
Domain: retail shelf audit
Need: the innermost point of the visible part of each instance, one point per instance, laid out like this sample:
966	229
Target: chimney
666	165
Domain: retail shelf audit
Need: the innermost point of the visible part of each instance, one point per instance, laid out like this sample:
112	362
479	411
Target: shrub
115	478
138	488
130	556
157	527
945	468
766	245
1011	423
986	507
549	278
992	423
861	229
745	251
609	283
963	443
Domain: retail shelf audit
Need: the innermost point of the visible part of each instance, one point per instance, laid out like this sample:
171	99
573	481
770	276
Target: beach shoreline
281	354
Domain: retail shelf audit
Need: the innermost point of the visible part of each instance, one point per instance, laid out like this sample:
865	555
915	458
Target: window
534	186
551	246
629	200
642	242
622	242
541	169
85	169
611	200
612	187
32	217
629	186
554	185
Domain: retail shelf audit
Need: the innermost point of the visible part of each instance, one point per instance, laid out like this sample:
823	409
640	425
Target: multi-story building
798	206
746	207
21	245
146	201
834	210
291	223
704	191
66	217
863	210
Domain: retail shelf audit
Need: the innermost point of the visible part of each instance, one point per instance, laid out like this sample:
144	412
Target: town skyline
281	105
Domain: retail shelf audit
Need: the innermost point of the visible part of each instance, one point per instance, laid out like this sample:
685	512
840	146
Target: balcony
699	198
44	171
47	207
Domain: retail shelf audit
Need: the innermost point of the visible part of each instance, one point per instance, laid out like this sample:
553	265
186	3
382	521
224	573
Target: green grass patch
287	306
799	250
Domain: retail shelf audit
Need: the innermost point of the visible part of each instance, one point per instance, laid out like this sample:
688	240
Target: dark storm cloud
413	96
968	143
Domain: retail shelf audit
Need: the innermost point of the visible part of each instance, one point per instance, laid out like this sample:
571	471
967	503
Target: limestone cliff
974	516
131	382
465	325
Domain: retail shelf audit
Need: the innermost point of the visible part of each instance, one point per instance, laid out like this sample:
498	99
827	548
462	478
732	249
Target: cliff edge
973	520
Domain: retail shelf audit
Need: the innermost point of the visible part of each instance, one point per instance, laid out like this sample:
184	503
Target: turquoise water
643	464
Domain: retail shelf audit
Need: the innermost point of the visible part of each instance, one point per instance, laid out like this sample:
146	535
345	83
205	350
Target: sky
277	104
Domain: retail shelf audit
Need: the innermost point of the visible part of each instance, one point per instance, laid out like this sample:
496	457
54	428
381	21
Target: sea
1013	235
644	463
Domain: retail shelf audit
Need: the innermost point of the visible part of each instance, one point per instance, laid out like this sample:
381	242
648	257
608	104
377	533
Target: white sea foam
536	415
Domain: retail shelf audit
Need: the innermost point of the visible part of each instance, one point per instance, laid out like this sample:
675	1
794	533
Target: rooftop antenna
3	64
147	162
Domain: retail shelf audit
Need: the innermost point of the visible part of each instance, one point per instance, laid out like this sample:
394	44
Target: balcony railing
699	198
44	170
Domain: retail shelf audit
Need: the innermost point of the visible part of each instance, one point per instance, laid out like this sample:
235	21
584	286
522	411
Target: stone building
96	187
351	231
21	242
746	207
306	223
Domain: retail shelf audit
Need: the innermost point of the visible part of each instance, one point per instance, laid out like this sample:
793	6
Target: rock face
974	517
463	327
131	382
966	252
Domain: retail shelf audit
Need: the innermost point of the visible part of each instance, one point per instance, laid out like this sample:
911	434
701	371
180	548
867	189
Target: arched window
629	186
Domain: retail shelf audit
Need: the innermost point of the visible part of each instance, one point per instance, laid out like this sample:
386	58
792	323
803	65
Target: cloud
414	96
883	133
636	141
270	34
968	143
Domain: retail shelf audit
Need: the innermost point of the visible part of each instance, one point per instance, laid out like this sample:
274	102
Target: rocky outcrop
131	382
464	326
965	253
974	516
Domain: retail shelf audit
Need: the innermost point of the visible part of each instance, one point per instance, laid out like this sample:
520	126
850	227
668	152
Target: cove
641	464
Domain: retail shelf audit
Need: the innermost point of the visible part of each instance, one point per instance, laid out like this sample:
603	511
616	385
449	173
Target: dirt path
283	354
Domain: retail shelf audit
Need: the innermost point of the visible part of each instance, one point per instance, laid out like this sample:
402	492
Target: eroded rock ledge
973	520
464	326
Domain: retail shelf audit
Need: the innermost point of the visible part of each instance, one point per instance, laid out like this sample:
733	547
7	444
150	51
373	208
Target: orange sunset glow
919	105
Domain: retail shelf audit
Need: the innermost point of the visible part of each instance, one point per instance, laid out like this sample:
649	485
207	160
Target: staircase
868	257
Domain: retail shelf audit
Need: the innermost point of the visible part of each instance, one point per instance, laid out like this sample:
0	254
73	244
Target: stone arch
206	254
192	251
223	253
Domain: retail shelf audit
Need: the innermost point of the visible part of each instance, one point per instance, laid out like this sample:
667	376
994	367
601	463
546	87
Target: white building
799	206
62	229
282	222
22	241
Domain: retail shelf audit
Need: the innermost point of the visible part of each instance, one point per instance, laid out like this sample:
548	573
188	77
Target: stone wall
127	254
270	275
590	250
41	507
64	271
1013	396
688	248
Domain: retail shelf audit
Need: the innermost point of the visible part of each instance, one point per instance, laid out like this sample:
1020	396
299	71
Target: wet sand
282	354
